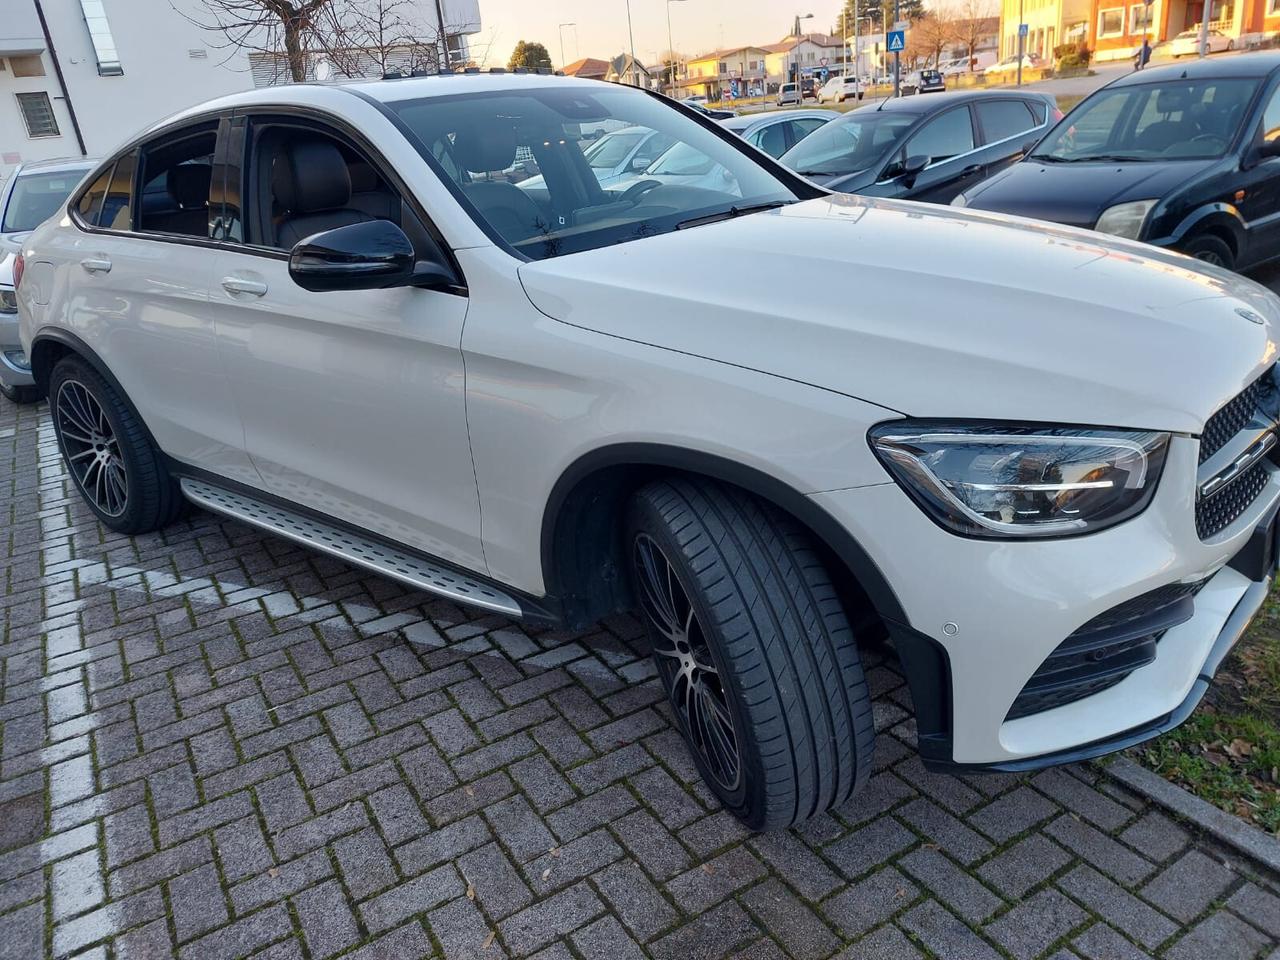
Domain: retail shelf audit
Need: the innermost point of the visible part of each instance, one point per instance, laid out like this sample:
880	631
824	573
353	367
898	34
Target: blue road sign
1022	30
897	41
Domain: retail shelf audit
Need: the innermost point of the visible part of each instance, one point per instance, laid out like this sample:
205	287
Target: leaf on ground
546	873
471	891
273	873
488	941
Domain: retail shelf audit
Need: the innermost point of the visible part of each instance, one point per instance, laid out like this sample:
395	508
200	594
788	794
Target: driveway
217	745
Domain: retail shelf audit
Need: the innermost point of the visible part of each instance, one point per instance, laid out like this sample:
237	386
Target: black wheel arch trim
683	459
1210	216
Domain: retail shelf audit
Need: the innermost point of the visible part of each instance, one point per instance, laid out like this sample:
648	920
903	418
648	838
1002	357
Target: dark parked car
924	148
1185	156
924	81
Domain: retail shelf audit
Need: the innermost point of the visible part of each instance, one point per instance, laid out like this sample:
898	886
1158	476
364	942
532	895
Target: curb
1229	829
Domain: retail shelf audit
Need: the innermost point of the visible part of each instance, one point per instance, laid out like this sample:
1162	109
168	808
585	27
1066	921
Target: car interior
175	186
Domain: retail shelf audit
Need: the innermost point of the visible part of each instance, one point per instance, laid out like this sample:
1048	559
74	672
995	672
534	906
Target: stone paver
215	744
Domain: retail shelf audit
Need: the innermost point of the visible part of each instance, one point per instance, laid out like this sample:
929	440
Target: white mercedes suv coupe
780	423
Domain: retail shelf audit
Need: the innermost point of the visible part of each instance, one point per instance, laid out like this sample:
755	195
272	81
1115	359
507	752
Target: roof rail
497	69
518	70
393	75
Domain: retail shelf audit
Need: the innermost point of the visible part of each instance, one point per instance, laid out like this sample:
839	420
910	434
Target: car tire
109	453
759	662
1210	249
21	395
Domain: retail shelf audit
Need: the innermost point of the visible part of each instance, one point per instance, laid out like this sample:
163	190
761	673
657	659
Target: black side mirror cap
372	255
912	168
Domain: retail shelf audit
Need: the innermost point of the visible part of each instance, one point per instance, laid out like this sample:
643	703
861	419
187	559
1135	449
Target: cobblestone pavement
217	745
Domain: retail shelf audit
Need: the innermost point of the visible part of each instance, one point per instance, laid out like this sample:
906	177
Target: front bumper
983	615
12	373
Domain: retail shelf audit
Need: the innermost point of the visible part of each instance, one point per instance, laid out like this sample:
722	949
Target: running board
390	562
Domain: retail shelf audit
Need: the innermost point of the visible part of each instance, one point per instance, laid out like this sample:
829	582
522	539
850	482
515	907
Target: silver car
776	133
32	194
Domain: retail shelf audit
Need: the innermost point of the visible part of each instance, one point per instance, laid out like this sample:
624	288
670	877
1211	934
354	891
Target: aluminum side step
351	547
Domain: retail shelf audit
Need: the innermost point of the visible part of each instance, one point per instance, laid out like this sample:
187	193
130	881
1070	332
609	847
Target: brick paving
216	745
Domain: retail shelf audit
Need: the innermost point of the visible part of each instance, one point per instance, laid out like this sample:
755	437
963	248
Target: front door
948	141
352	401
1255	189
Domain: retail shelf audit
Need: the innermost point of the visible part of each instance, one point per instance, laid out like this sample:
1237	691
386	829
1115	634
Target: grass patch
1228	752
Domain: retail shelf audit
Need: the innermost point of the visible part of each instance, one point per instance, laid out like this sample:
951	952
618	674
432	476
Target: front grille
1230	420
1214	514
1106	649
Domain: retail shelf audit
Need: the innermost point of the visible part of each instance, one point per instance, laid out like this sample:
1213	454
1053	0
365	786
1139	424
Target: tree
264	25
880	12
362	37
930	35
531	55
971	17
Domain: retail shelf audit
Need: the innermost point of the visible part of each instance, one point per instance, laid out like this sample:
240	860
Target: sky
697	26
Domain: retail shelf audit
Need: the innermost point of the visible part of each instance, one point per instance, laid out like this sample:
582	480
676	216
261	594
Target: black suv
1185	156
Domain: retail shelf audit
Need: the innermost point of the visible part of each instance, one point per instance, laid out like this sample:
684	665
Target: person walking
1143	55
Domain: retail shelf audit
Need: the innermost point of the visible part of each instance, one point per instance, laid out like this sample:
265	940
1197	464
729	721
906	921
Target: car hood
933	311
1077	193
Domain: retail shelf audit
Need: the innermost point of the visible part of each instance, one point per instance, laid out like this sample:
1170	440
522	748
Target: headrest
363	177
310	176
484	149
188	185
1173	100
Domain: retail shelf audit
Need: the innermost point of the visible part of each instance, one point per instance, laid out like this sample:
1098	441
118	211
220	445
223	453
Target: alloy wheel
688	668
91	448
1210	257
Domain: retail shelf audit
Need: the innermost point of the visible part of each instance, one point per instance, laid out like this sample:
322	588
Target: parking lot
218	745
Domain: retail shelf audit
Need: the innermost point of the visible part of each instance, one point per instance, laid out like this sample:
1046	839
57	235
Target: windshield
485	145
851	143
1171	120
610	150
36	197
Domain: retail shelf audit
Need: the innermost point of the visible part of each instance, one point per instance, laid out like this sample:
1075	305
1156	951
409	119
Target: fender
646	457
1221	215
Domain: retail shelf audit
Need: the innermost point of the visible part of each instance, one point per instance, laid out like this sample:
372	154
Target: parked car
776	133
924	148
615	155
1187	43
1184	156
789	94
32	193
658	402
715	113
839	89
923	81
1009	65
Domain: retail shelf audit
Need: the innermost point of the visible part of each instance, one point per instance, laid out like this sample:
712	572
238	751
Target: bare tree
360	37
971	18
930	35
265	26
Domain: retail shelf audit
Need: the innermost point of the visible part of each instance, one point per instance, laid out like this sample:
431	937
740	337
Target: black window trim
339	129
179	130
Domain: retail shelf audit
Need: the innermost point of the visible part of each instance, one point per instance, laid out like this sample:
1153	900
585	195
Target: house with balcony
806	55
726	74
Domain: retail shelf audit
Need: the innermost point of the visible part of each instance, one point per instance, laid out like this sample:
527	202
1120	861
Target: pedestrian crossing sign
897	41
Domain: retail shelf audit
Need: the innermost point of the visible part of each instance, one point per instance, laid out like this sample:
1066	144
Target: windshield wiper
732	213
1099	157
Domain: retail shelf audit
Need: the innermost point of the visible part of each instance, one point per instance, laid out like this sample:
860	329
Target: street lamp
562	26
671	51
635	74
795	32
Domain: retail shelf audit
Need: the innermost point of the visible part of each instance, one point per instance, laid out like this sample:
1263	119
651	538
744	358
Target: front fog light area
988	480
8	301
17	359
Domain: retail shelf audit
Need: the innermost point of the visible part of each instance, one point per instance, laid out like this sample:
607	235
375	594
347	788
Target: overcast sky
696	25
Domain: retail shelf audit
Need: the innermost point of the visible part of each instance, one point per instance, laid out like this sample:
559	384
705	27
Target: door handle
975	168
252	288
96	265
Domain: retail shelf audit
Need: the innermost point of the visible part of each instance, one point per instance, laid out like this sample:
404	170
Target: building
726	74
625	69
588	68
79	76
808	54
1050	23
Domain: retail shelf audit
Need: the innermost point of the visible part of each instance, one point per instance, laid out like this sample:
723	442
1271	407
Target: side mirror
913	167
360	256
1269	149
1030	145
639	164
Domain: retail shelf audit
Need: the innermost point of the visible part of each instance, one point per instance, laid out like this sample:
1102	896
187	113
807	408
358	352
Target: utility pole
1205	13
562	26
897	54
1021	42
671	50
631	38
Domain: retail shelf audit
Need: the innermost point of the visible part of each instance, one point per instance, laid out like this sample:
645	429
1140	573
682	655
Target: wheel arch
581	542
1219	219
50	345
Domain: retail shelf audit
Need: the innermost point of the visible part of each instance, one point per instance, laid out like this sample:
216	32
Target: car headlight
989	480
960	200
8	300
1125	219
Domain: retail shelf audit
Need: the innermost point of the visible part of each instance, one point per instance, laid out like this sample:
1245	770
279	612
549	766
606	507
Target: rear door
140	262
1005	128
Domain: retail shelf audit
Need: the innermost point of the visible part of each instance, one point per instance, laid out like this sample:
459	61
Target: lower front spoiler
1244	612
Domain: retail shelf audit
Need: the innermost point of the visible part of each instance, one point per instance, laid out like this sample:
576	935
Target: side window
773	139
943	137
653	148
89	206
117	207
1003	119
174	194
802	128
